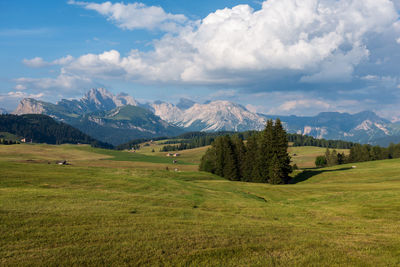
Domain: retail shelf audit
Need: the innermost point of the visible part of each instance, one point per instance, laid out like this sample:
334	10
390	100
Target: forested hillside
44	129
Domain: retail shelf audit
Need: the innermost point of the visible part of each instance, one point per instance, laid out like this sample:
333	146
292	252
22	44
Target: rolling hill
99	211
43	129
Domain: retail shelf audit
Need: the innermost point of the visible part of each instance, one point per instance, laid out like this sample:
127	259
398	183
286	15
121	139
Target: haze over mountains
119	118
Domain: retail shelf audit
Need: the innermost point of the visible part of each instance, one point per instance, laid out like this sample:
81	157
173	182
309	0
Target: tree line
305	140
264	157
200	139
358	153
8	142
44	129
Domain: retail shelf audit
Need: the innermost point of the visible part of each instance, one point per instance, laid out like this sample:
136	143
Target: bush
321	161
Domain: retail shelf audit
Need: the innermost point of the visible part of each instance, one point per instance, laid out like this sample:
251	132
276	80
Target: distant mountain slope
106	117
3	111
213	116
363	127
43	129
109	118
121	124
386	141
94	100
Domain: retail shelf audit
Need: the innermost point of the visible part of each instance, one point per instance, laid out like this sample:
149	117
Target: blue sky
277	56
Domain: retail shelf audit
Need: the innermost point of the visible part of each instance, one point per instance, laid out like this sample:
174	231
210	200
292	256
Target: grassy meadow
123	209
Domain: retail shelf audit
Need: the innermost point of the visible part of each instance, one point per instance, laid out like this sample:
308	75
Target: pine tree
240	154
265	152
328	156
334	158
230	168
207	163
219	156
250	173
276	174
281	149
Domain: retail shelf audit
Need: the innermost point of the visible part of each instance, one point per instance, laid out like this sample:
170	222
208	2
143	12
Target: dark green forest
44	129
358	153
263	159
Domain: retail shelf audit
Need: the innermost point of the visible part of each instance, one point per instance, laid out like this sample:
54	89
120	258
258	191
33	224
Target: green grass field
107	208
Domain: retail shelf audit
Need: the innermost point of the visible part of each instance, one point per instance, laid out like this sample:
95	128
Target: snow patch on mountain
213	116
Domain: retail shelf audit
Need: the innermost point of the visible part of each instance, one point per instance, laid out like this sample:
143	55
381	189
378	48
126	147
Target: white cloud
61	82
322	40
20	95
39	62
303	103
316	40
20	87
135	15
10	100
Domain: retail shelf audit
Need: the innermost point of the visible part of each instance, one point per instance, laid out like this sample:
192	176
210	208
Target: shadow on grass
307	174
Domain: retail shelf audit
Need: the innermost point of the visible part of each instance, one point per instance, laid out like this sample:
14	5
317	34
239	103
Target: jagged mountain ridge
109	118
93	115
363	127
213	116
97	99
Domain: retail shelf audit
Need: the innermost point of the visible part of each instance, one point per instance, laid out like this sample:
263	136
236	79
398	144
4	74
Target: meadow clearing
120	208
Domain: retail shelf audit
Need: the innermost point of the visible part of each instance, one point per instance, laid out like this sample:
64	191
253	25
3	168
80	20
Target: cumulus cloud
309	41
316	40
10	100
62	81
136	15
303	103
20	87
39	62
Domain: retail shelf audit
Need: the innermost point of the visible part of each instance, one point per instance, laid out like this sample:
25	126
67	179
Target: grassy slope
103	212
305	156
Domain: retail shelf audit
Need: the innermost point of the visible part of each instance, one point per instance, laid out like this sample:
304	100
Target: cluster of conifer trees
44	129
264	157
358	153
7	142
305	140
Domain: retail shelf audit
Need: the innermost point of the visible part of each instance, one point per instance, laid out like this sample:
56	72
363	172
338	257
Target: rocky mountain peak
101	99
29	106
185	103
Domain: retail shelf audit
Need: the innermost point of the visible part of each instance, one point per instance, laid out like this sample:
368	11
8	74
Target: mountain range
119	118
106	117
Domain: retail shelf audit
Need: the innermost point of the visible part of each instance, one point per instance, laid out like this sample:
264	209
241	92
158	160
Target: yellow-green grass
99	211
188	156
305	155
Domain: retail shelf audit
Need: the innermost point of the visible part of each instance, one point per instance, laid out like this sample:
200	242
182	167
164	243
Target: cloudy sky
278	56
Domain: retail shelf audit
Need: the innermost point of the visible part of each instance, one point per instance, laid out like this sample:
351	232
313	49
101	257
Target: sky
284	57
